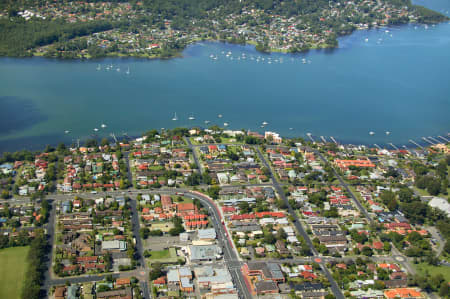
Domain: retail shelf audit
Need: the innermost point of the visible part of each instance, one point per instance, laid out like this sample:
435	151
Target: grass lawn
433	270
162	254
12	271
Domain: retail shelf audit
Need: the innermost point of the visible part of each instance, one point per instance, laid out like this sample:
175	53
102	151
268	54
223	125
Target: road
194	154
230	255
396	254
333	285
143	267
346	187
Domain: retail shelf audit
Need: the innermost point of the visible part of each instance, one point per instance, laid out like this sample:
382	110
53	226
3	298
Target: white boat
366	40
103	126
304	61
118	69
66	131
265	123
371	133
387	132
207	122
128	71
225	124
95	129
191	117
175	117
219	116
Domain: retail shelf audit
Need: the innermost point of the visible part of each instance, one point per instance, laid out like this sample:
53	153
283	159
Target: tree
156	271
144	233
105	142
367	251
444	290
281	234
434	186
213	192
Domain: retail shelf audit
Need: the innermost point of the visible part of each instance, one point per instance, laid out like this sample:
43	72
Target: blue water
397	81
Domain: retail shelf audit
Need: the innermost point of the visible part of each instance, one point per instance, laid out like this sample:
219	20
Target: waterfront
395	83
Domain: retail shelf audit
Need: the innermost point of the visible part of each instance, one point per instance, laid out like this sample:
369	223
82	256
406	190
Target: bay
392	79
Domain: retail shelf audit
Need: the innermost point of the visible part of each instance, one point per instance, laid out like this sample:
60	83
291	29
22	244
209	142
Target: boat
103	126
366	40
225	124
191	117
219	116
118	69
128	71
304	61
207	122
99	67
66	131
291	129
371	133
175	117
265	123
387	132
95	129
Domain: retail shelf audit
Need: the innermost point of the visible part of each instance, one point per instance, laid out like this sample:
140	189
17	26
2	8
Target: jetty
443	138
433	139
428	141
415	143
377	146
391	144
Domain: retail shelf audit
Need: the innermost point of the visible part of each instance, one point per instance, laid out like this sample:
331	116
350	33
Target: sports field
12	271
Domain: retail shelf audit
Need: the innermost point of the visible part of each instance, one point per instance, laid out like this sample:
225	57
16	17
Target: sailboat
175	117
191	117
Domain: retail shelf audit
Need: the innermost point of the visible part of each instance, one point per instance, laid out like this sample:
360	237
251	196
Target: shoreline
317	139
316	47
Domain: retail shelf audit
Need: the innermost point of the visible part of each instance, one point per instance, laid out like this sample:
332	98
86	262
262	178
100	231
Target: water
378	81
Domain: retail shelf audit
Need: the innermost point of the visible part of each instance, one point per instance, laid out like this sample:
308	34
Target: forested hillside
70	27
